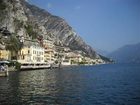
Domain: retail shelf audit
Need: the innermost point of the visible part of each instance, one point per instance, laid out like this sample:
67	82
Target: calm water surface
116	84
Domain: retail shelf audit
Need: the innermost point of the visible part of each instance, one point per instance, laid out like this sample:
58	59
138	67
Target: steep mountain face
28	20
13	16
63	34
127	54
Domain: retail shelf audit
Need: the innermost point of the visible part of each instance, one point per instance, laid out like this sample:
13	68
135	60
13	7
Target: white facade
37	54
32	54
66	62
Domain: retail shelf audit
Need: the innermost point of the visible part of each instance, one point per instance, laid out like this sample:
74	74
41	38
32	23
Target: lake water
113	84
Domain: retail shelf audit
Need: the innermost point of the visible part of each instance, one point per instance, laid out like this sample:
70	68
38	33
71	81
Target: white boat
4	73
4	69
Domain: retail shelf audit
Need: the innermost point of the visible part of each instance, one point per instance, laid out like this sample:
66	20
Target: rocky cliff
29	21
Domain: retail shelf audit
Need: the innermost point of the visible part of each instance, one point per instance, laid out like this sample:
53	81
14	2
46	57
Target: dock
34	66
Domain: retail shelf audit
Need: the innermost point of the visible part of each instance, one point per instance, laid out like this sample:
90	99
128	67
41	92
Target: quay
32	66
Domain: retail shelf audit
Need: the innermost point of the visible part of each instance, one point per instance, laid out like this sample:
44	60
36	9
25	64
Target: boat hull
3	74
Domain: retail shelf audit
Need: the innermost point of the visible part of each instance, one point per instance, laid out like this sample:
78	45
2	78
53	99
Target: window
28	51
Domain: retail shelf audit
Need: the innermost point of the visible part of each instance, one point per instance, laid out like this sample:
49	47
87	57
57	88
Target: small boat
4	69
4	73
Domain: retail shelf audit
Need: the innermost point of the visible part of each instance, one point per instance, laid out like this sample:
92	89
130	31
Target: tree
13	45
2	5
31	32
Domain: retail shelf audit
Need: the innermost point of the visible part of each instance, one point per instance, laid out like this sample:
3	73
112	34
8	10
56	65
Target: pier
31	66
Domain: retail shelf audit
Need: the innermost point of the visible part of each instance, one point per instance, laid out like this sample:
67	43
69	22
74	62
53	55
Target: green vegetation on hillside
2	5
2	10
106	59
31	32
13	45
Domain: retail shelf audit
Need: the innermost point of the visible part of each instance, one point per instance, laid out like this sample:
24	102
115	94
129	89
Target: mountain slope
29	21
59	29
127	54
102	52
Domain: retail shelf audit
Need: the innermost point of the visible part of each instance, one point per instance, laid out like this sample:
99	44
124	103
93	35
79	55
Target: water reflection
45	86
101	85
37	85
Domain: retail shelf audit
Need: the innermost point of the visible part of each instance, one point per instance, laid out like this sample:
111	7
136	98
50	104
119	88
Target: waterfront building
49	55
74	58
49	51
4	54
66	62
32	53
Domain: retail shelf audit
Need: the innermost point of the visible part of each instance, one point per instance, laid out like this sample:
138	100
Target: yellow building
49	51
4	54
49	55
24	55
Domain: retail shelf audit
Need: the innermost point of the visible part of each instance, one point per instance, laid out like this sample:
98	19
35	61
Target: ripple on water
94	85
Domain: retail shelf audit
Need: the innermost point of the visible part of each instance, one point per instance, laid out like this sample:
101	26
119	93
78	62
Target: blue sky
103	24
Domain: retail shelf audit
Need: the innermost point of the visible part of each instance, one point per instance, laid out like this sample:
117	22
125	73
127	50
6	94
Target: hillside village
30	35
41	51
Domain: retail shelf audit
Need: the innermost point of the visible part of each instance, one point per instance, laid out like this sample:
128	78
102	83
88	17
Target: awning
5	62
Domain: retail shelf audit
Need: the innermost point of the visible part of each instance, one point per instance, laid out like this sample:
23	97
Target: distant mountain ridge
127	54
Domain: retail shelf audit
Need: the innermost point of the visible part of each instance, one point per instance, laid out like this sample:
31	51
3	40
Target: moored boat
4	69
3	73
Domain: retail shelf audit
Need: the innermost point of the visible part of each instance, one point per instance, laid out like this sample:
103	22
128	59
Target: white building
31	54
